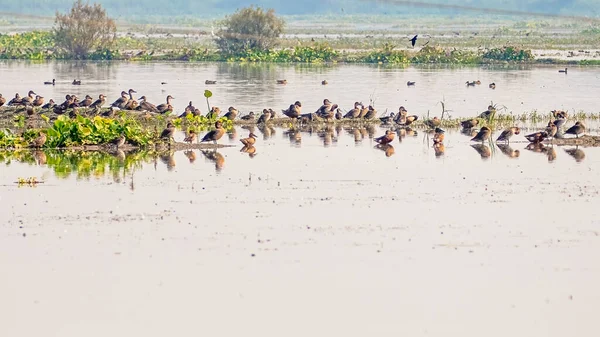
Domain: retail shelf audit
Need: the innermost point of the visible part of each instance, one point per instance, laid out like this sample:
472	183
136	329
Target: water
318	237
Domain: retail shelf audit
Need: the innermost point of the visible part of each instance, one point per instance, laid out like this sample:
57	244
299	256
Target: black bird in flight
414	40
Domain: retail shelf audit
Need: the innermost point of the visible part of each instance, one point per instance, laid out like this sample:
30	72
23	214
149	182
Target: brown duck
264	118
191	137
559	114
470	123
49	105
28	100
99	102
537	137
2	100
355	112
213	113
483	135
492	85
248	117
119	141
576	129
250	140
39	141
281	81
363	112
294	111
168	132
231	113
487	113
371	113
87	101
38	101
387	138
164	107
551	129
121	101
438	136
15	101
508	133
147	106
433	123
215	134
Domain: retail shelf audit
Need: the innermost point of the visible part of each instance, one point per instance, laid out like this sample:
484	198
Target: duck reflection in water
549	151
40	157
327	136
250	150
266	130
509	151
232	133
295	136
576	153
168	159
191	156
215	157
387	148
439	149
483	150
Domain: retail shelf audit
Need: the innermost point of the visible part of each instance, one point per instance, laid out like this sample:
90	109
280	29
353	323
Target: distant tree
249	28
86	27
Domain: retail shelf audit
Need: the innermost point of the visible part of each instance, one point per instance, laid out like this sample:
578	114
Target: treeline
136	9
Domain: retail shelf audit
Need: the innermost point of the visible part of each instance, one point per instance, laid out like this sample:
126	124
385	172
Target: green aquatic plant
387	54
508	53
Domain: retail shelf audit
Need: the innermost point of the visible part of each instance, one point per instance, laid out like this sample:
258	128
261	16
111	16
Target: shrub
249	28
85	28
508	54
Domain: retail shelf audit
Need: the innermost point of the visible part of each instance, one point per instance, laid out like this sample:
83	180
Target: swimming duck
50	82
168	132
508	151
213	113
506	134
38	101
49	105
438	136
281	81
15	101
483	135
470	123
563	71
387	138
121	101
354	113
147	106
410	83
191	137
433	123
164	107
250	140
470	84
324	82
294	111
76	82
492	85
248	117
371	113
537	137
39	141
478	82
87	101
119	141
264	118
387	119
216	134
2	100
210	82
551	129
576	129
99	102
231	113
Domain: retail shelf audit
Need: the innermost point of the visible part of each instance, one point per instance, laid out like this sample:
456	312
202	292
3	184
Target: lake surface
325	236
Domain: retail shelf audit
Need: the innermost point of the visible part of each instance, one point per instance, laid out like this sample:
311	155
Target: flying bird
414	40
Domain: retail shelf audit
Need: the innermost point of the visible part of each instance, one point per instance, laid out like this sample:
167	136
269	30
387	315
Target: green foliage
387	54
31	45
201	122
429	54
508	54
85	28
249	28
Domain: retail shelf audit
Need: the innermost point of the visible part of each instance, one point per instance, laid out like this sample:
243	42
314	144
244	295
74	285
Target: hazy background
134	10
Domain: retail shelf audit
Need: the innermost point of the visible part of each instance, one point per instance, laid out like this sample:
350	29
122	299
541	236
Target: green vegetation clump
85	28
31	45
429	54
249	28
511	54
387	54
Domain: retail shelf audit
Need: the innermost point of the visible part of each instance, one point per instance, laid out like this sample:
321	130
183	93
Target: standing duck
363	112
131	103
326	107
191	137
551	129
231	113
483	135
264	118
250	140
147	106
387	138
371	113
39	141
99	102
164	107
488	113
438	136
168	132
338	114
49	105
294	111
248	117
470	123
87	101
576	129
121	101
433	123
119	141
355	112
216	134
213	113
506	134
537	137
15	101
28	100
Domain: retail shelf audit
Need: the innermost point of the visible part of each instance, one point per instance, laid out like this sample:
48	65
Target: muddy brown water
310	238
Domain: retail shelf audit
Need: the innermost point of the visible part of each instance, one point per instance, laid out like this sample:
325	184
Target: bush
249	29
85	28
508	54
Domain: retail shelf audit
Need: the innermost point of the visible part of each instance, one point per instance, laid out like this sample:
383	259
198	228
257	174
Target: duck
537	137
74	102
210	82
213	113
483	135
559	122
559	114
39	141
119	141
163	108
563	71
248	117
438	136
131	103
281	81
294	111
410	83
76	82
216	134
338	114
231	113
191	137
15	101
487	113
53	82
506	134
250	140
551	129
576	129
191	107
433	123
87	101
410	119
470	84
49	105
371	113
147	106
69	100
363	112
507	150
121	101
324	82
354	113
168	132
469	123
28	100
264	118
478	82
2	100
387	119
38	101
99	102
492	85
387	138
326	107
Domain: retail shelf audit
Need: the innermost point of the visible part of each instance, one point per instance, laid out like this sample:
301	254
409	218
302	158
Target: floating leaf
207	93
